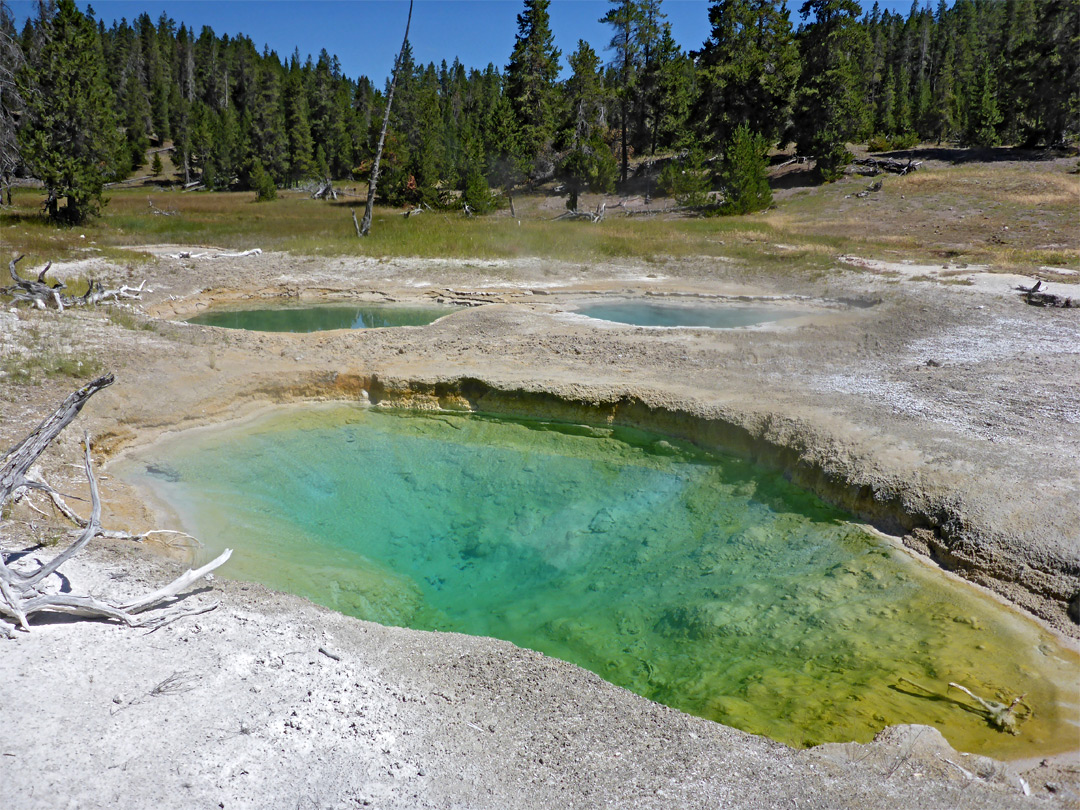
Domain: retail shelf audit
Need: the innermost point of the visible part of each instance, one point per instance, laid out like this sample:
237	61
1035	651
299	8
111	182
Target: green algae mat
690	578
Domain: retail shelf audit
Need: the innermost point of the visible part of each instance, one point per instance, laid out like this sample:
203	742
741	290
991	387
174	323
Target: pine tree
69	138
1052	101
530	83
427	140
301	146
11	103
269	143
744	175
624	18
650	34
829	109
677	95
584	96
589	166
136	120
749	66
983	115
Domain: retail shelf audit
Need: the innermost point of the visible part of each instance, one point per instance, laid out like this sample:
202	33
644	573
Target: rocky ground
931	401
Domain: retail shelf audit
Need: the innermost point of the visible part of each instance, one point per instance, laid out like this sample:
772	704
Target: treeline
977	72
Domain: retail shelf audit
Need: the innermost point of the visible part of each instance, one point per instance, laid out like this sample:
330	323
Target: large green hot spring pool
693	579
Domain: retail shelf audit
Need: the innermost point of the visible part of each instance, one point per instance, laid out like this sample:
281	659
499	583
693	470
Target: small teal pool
716	316
322	318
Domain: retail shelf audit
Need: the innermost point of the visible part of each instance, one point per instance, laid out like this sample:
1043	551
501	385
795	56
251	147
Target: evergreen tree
136	120
477	194
268	140
676	96
650	34
584	96
588	166
261	182
744	175
301	146
829	108
624	18
687	180
530	84
749	66
69	138
983	115
11	104
1052	75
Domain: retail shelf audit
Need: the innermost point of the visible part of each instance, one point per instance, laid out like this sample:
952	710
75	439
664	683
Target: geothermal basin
320	318
689	577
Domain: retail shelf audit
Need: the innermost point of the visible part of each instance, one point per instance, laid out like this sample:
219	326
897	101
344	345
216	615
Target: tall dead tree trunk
365	226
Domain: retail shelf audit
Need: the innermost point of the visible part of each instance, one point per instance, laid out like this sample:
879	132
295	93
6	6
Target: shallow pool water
714	316
690	578
321	318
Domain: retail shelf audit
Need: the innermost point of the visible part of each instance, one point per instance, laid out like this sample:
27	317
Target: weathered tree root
43	296
23	592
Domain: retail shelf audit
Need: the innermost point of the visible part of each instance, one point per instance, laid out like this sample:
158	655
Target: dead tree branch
26	592
38	293
43	295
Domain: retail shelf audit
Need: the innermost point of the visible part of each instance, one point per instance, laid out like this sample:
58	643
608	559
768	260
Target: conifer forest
83	104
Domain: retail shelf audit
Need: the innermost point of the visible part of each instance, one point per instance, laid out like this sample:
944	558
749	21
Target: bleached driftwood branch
25	592
598	216
187	254
38	293
998	715
159	211
42	295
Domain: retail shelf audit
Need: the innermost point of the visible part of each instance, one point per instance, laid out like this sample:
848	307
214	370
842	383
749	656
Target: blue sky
366	34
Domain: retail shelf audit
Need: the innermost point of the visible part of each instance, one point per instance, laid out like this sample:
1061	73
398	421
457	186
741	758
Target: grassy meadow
1015	215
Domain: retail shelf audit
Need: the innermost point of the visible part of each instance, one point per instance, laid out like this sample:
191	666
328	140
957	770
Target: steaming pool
691	578
322	318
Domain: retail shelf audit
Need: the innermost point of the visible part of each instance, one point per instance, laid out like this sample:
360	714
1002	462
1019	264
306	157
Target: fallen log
158	211
1035	296
591	216
25	589
890	165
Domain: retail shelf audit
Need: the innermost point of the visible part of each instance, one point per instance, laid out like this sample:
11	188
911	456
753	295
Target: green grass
297	224
30	369
1012	216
